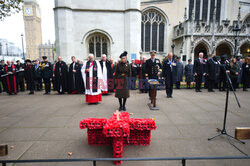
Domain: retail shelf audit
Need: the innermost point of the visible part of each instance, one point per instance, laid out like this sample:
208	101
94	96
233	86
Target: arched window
98	44
152	31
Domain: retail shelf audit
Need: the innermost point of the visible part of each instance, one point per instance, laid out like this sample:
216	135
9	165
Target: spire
193	15
239	16
185	14
214	14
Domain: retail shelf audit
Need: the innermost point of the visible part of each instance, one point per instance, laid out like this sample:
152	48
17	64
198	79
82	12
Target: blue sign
133	56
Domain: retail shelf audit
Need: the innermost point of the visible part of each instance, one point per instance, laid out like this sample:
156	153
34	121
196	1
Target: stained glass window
98	45
161	37
153	29
147	36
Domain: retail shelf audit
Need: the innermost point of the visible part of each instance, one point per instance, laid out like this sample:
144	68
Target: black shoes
31	93
122	109
198	90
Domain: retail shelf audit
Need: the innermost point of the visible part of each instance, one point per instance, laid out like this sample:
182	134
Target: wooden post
3	150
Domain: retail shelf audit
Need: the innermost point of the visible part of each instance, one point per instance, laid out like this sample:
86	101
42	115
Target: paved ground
41	127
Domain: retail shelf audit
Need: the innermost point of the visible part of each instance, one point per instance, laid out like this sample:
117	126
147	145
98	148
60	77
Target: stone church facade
185	27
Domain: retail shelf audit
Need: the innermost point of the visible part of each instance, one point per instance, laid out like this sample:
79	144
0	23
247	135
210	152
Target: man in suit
153	67
169	72
212	72
199	71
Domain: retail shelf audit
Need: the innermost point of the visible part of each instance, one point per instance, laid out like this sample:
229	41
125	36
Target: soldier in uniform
189	74
47	72
153	67
199	71
169	72
20	76
179	67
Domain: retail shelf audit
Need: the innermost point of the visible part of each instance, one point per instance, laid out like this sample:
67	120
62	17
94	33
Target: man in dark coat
212	72
10	78
75	77
142	77
133	74
239	80
61	76
20	76
189	74
169	72
38	76
106	75
30	75
153	67
179	76
199	71
246	73
222	75
47	71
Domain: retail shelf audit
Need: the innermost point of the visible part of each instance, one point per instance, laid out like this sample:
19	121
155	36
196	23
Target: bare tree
8	7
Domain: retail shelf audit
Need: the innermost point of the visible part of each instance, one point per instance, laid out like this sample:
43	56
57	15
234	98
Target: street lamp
22	46
7	49
236	31
173	48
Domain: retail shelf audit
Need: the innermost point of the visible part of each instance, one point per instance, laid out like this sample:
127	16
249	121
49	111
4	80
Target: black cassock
61	75
30	77
10	79
75	79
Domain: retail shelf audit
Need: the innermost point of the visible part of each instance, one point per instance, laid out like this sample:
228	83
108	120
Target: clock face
28	11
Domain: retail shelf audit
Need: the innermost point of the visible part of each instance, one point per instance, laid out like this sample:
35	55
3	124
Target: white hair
91	55
104	55
201	53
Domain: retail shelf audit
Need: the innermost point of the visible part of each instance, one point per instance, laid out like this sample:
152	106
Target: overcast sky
12	27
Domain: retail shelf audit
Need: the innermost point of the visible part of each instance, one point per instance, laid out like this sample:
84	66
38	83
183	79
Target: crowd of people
96	78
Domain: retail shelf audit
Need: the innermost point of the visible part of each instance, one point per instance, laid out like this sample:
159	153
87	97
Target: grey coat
189	73
179	67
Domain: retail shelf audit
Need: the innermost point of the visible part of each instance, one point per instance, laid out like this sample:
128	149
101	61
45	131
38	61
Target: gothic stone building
185	27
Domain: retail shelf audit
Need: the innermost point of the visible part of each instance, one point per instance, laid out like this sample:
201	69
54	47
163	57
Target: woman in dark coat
234	72
122	72
189	74
246	73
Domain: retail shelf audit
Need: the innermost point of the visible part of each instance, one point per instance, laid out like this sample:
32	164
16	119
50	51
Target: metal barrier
94	160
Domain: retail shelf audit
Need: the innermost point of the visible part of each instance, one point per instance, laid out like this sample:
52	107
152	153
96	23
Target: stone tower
32	26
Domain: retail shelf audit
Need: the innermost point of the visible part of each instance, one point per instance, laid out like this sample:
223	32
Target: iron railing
95	160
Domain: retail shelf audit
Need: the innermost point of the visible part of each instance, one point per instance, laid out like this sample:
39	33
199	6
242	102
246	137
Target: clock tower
32	26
